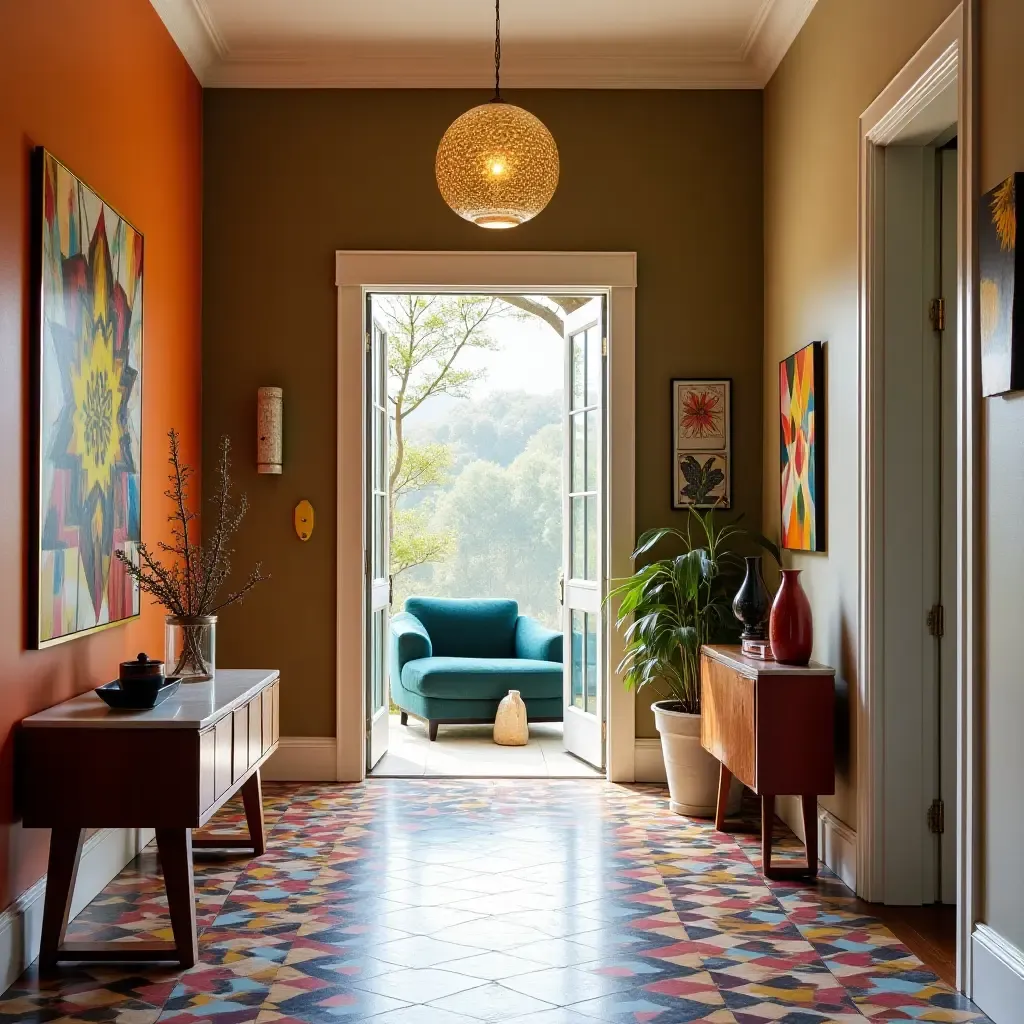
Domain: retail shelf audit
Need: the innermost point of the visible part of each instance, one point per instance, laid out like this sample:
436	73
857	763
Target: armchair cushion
467	628
537	642
478	679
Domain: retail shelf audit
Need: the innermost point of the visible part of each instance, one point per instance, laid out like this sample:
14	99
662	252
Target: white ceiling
449	43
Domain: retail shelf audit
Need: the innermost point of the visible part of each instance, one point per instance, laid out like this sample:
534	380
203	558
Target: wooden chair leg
175	847
432	729
252	800
724	785
810	809
61	873
404	718
767	826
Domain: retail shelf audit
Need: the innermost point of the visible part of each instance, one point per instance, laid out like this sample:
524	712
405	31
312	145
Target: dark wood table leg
61	873
724	785
810	809
252	798
767	827
175	846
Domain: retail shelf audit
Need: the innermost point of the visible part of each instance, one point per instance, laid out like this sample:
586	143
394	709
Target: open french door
378	579
583	533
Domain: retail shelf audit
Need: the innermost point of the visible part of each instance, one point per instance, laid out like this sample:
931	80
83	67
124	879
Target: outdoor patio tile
421	951
492	1002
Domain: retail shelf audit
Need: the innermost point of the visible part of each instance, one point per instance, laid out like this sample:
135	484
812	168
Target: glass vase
191	645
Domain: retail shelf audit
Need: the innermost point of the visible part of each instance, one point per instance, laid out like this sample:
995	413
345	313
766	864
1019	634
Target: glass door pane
377	536
583	531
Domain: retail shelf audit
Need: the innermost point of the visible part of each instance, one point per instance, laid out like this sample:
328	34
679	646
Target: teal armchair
453	659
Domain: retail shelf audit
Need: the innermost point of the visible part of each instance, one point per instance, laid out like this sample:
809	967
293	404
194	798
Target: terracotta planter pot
790	629
692	772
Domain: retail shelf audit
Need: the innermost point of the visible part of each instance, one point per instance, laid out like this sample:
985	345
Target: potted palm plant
668	609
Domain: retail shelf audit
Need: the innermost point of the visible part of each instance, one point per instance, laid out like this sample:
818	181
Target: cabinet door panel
222	767
207	767
240	752
255	729
727	719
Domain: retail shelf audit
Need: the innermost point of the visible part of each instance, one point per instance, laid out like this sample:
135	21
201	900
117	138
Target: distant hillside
495	428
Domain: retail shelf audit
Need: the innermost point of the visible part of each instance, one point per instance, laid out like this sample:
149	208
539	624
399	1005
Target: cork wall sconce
269	425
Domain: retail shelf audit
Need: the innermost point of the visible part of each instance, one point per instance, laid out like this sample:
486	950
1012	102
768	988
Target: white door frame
357	272
949	56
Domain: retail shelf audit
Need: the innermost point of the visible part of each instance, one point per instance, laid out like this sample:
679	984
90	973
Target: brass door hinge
936	620
604	346
369	341
937	314
937	818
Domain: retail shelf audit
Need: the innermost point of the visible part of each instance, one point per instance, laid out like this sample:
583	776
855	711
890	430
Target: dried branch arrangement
190	586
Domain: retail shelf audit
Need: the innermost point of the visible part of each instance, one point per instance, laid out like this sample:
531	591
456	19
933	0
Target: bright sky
529	359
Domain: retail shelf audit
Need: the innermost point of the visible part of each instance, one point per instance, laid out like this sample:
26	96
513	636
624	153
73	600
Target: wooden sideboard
770	726
86	766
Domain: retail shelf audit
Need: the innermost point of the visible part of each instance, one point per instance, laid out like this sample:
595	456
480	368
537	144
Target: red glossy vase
789	628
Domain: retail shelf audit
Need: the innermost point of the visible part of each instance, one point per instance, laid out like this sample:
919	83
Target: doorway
606	281
485	429
916	827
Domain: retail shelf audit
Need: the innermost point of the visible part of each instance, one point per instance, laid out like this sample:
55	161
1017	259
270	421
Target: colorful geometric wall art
802	449
702	443
88	406
1001	304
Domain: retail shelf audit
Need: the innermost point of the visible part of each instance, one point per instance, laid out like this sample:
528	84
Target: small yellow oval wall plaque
304	520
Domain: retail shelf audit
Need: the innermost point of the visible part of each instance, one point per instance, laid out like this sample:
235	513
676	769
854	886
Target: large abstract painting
1002	307
702	443
89	406
802	449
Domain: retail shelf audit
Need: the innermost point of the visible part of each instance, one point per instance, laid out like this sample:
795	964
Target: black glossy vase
752	603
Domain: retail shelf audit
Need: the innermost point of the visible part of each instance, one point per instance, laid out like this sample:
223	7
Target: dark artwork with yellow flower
89	407
1001	307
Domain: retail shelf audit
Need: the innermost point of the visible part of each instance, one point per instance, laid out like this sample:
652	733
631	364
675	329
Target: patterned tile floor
461	901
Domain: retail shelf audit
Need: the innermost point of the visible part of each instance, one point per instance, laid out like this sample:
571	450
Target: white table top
194	706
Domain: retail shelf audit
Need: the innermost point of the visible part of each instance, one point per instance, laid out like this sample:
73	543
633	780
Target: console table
770	726
88	766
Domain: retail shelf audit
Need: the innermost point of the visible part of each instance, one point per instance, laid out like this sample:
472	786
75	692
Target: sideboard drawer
222	764
728	724
255	729
240	752
207	767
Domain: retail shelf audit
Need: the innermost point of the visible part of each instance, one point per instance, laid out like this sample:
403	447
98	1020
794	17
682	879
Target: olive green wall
293	175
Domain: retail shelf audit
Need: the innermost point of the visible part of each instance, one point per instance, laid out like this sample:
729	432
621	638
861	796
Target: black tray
140	696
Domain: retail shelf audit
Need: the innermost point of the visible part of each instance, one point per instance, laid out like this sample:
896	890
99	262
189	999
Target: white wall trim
385	65
919	84
104	854
837	847
303	759
997	975
649	760
357	273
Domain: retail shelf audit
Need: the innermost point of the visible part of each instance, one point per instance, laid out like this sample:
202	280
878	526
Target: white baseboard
303	759
648	761
104	854
837	847
997	975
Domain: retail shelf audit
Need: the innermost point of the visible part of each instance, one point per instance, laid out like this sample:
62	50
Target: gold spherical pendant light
497	165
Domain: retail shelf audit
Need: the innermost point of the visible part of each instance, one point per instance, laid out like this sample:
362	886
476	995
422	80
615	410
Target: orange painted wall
101	84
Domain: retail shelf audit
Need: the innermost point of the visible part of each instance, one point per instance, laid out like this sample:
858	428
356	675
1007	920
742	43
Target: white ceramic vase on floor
692	772
510	725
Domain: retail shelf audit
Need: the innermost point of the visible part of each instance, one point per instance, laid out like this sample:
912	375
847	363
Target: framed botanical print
89	269
802	448
701	443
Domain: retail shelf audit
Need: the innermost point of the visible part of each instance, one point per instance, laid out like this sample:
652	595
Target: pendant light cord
497	52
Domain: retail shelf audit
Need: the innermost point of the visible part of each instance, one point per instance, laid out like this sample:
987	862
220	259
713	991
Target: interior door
583	533
378	585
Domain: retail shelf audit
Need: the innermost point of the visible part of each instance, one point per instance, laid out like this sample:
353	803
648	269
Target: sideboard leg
724	785
175	847
252	799
810	809
61	873
767	827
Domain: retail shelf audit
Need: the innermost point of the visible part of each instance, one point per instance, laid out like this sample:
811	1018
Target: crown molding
776	26
537	66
